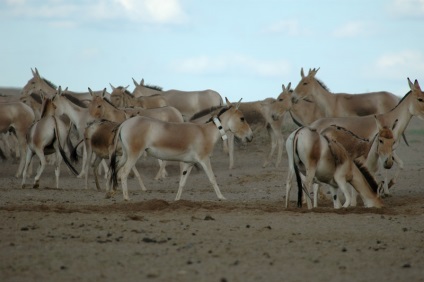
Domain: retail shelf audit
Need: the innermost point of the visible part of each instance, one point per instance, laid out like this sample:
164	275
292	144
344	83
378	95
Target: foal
185	142
327	161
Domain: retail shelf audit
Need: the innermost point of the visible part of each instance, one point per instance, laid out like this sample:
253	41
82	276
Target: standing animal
185	142
17	117
342	104
327	161
187	102
121	97
45	137
412	104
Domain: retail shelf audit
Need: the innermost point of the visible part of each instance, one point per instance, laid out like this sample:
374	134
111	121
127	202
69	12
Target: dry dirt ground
74	234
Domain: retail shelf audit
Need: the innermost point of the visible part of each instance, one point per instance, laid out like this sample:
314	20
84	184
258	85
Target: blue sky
242	49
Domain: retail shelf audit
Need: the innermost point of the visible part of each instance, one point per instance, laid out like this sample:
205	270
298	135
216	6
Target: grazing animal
189	143
325	160
45	137
342	104
187	102
412	104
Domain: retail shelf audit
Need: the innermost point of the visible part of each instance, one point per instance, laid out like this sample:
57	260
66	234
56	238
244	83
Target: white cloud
232	64
144	11
353	29
407	8
407	63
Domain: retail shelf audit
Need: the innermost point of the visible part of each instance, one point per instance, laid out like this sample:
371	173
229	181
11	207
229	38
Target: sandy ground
74	234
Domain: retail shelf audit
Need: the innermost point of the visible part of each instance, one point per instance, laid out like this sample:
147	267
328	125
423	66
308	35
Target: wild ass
302	112
121	97
412	104
17	117
187	102
342	104
77	112
101	108
327	161
185	142
44	137
37	83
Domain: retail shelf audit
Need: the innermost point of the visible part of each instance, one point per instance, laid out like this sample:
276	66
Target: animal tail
299	186
74	153
62	152
113	178
404	139
367	175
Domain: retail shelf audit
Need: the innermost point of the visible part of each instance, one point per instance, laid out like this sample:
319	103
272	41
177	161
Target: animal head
306	85
235	121
418	96
37	84
386	142
283	103
97	105
118	95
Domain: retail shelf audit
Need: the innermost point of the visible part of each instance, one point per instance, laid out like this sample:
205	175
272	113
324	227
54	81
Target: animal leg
280	148
341	182
206	164
162	170
315	188
353	201
40	169
393	181
289	179
29	155
57	168
185	172
231	148
273	146
335	197
134	169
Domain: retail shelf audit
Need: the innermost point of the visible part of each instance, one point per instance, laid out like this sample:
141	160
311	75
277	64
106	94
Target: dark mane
403	98
349	132
126	90
51	84
110	103
205	112
153	87
368	176
75	100
322	84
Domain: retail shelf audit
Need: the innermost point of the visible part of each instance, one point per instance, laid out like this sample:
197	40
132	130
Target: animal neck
371	161
403	112
325	100
74	112
221	130
362	185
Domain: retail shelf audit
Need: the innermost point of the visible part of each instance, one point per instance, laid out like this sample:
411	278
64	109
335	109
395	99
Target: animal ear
284	88
37	73
417	85
288	86
228	102
91	92
111	86
59	91
104	92
142	81
301	73
238	103
411	85
135	82
125	89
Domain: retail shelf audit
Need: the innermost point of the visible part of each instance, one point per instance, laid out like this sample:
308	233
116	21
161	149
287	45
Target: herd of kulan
343	140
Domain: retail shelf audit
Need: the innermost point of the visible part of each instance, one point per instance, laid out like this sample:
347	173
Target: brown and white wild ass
342	104
187	102
327	161
185	142
47	136
412	104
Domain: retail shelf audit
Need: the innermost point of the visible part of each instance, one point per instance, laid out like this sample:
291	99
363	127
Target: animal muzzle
388	163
